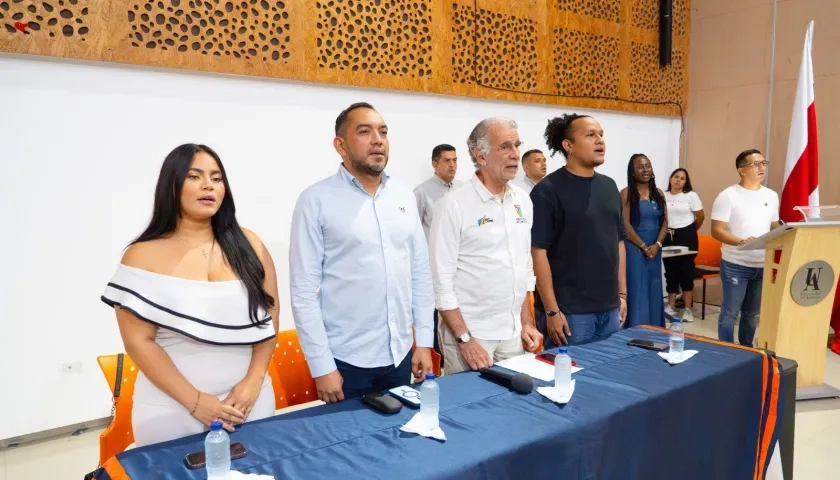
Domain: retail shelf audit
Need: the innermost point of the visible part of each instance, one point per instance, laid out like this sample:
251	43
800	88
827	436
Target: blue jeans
741	294
585	327
359	381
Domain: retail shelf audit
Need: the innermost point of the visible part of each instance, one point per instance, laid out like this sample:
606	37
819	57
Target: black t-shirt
579	222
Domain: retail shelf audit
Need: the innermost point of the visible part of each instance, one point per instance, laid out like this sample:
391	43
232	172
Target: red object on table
550	362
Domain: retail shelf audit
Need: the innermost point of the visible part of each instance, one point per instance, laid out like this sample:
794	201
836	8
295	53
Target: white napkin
551	393
686	355
415	425
234	475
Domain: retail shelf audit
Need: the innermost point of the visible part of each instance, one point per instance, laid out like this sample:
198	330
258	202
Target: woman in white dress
196	303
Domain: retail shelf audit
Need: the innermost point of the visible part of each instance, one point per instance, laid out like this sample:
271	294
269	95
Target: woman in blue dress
646	221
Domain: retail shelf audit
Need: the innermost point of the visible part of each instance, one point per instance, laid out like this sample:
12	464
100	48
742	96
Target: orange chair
435	357
534	316
119	435
435	363
290	377
706	264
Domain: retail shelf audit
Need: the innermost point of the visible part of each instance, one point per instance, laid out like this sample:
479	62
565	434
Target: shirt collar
485	194
351	180
440	181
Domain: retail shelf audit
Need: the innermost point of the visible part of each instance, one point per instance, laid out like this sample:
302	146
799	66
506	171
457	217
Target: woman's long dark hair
687	187
633	192
236	248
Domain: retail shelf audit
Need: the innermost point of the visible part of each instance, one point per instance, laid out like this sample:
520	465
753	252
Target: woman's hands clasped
209	409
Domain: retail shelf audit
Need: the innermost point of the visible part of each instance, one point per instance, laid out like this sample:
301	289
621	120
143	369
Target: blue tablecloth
633	416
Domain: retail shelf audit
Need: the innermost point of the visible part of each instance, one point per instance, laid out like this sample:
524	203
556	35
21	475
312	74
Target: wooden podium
798	294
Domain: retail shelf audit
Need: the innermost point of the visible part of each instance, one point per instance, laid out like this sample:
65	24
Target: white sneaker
687	316
671	312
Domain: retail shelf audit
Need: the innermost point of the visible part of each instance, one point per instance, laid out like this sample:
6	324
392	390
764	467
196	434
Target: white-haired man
479	246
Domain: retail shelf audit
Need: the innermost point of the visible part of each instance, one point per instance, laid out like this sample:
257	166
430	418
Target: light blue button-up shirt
359	274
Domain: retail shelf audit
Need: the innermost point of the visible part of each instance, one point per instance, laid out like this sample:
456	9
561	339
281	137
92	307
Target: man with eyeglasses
740	214
480	252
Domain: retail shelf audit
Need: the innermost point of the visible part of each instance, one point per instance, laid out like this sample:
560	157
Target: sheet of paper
529	365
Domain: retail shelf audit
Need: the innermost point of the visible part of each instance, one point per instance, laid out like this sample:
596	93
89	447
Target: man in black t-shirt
577	240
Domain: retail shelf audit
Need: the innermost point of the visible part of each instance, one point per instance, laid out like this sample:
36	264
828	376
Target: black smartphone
648	344
196	460
383	402
547	357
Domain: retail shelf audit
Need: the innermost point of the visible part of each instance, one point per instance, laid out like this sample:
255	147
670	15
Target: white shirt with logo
681	208
480	254
748	213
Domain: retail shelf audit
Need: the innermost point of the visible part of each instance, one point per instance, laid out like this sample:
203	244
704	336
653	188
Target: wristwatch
464	338
551	314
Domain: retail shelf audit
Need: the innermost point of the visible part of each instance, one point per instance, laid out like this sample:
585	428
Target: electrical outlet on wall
71	368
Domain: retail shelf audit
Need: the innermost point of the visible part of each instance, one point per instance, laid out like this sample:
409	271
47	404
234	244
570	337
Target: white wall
81	148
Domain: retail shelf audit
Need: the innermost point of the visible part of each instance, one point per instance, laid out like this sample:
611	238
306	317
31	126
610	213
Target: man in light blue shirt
534	166
359	269
445	163
428	193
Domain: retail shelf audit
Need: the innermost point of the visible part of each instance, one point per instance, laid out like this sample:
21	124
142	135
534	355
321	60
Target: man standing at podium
740	214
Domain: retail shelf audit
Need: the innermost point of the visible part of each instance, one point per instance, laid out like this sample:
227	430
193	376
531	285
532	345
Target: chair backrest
119	435
708	251
435	355
534	316
292	382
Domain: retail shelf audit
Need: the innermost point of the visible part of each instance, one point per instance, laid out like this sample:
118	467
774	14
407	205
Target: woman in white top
195	298
685	216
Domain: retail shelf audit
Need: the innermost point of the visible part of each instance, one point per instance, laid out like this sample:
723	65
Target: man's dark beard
362	167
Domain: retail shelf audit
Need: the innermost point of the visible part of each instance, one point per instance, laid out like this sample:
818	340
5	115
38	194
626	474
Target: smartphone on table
649	345
197	460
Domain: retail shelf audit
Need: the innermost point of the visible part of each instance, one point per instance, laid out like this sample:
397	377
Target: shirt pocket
398	223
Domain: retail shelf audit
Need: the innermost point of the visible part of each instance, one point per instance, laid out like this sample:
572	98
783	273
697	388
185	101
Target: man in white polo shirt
480	252
741	213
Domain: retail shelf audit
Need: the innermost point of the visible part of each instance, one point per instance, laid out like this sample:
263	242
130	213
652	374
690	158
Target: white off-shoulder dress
205	329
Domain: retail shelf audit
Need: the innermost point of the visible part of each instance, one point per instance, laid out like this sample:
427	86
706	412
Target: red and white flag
801	181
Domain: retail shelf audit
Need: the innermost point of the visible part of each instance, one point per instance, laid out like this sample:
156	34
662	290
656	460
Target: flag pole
770	93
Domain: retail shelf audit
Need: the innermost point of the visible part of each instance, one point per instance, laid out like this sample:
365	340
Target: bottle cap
217	425
676	320
430	376
563	350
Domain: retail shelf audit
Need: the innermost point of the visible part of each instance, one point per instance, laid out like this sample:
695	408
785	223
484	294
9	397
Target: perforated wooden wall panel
595	54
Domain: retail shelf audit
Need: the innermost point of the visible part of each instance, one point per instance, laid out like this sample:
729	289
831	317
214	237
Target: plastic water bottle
563	372
429	402
676	341
217	452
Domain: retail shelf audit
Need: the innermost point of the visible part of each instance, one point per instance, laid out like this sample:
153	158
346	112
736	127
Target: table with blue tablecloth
633	416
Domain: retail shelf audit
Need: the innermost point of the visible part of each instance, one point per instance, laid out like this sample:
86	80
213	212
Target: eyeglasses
763	163
507	148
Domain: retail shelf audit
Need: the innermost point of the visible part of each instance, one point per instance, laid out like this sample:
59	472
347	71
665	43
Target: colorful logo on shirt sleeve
484	220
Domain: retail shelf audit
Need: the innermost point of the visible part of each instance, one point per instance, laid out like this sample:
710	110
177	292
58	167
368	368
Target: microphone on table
518	382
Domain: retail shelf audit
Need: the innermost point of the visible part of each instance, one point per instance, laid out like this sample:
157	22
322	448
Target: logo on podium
812	283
